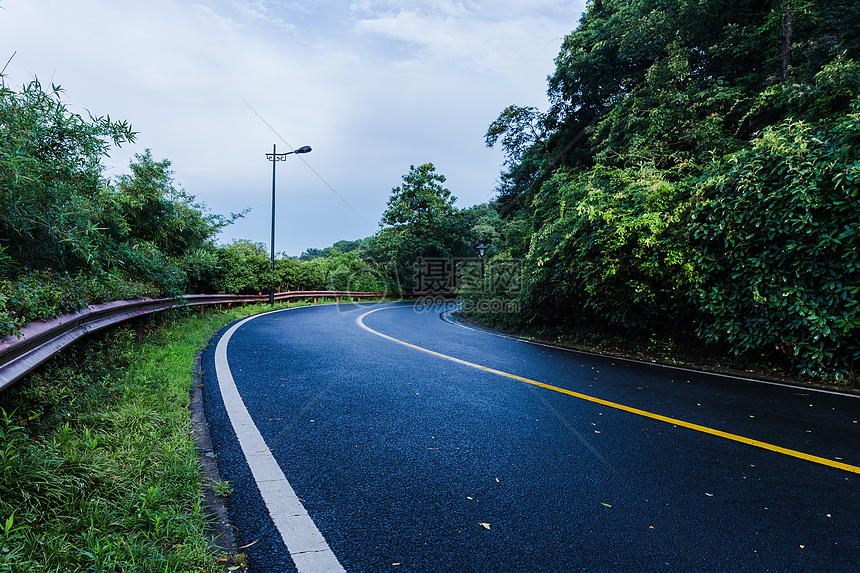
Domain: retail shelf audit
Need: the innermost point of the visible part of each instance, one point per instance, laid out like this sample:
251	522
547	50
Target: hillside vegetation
696	175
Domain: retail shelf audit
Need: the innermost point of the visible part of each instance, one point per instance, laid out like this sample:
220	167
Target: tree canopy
694	173
420	221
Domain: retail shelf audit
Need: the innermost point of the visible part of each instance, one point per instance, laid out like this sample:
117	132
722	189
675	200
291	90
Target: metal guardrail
39	341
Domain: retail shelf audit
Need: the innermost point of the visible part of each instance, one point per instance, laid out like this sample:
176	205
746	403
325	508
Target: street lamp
274	157
482	250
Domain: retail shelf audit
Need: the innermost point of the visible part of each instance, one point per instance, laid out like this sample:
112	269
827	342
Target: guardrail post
202	308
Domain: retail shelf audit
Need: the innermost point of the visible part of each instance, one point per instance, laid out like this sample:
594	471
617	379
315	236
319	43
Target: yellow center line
666	419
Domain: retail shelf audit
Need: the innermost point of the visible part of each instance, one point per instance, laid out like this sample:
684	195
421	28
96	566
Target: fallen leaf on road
485	526
497	480
606	504
709	494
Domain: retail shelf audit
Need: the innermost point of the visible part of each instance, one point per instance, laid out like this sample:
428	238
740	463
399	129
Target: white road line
304	542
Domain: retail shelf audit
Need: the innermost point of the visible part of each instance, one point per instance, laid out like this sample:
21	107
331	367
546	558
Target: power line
302	158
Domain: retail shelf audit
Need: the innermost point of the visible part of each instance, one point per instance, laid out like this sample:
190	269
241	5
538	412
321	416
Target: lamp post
274	157
482	250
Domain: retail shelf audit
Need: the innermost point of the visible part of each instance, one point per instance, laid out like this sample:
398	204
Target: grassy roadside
98	465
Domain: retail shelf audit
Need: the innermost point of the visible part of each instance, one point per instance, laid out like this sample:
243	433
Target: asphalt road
396	456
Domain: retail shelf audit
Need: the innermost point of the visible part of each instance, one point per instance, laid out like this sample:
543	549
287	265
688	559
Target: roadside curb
219	530
454	316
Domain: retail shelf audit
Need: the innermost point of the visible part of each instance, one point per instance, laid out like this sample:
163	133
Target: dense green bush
202	270
348	272
695	172
69	236
51	182
622	257
294	274
41	295
779	240
245	268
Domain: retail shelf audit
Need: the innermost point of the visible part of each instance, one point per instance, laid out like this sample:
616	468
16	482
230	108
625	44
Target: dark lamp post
482	250
274	157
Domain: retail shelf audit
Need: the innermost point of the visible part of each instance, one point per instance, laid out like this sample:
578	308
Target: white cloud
505	38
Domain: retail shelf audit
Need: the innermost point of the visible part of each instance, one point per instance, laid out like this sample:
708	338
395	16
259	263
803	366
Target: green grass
98	466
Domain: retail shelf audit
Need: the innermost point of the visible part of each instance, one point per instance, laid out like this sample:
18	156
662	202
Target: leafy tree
664	81
485	226
60	216
420	221
151	227
154	210
420	206
51	179
339	247
311	254
245	268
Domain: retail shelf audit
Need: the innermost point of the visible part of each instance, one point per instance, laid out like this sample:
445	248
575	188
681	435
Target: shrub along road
516	457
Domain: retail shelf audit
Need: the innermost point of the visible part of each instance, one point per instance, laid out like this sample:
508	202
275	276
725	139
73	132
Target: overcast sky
374	86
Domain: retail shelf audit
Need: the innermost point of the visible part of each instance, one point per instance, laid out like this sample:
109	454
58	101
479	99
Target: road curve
411	444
